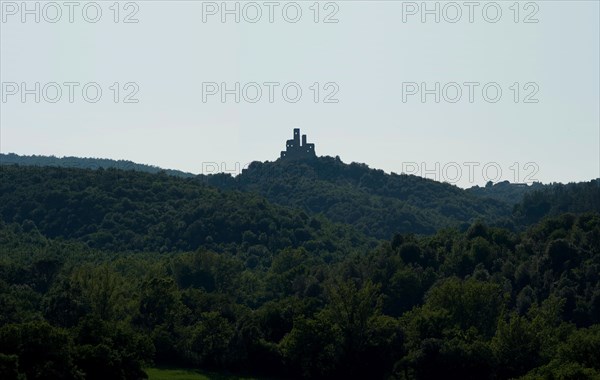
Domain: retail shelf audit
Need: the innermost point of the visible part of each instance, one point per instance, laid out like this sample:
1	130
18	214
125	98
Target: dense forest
381	204
374	202
85	163
127	210
510	193
287	271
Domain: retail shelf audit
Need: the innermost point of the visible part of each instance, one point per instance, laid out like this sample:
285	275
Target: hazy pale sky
369	78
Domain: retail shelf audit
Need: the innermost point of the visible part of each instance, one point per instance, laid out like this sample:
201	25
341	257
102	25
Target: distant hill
86	163
376	203
133	211
105	272
511	193
557	199
371	201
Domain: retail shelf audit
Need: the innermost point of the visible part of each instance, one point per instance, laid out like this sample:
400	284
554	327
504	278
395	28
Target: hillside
483	304
373	202
376	203
558	199
85	163
105	272
510	193
127	210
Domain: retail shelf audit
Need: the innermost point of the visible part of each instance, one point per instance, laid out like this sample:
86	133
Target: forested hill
558	199
377	203
85	163
381	204
127	210
511	193
371	201
484	304
106	272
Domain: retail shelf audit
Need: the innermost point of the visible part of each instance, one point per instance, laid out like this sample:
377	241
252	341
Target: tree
516	346
43	351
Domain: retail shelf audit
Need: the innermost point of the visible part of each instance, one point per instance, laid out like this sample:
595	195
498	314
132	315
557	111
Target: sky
461	92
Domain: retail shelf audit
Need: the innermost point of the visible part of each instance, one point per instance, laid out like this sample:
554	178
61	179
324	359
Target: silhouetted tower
294	150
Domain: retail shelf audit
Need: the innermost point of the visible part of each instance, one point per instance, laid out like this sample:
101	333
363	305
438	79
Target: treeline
372	201
106	272
381	204
509	193
127	210
85	163
375	203
557	199
483	304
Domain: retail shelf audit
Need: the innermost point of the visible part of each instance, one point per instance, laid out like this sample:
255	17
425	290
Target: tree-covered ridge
373	202
106	272
85	163
377	203
510	193
487	303
127	210
557	199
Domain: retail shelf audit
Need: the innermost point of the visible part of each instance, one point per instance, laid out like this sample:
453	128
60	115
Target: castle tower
293	149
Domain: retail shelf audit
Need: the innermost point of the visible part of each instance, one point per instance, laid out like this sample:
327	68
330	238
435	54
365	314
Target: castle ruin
293	149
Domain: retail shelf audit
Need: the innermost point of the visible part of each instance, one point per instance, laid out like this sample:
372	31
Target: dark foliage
510	193
118	210
102	275
86	163
374	202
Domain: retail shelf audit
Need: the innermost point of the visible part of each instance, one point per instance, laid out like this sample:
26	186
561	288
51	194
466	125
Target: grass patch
188	374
